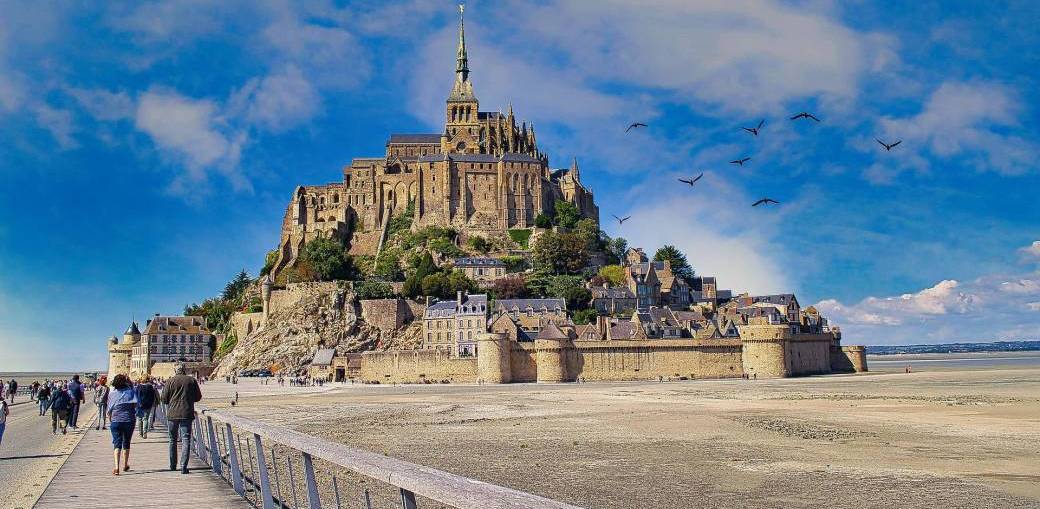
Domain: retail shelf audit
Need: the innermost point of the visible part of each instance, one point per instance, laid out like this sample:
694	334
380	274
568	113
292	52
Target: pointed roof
551	331
132	329
462	90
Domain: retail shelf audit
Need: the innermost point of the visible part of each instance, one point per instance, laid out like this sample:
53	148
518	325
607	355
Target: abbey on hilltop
483	175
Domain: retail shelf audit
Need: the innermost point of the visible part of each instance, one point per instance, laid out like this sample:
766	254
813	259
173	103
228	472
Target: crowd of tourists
123	406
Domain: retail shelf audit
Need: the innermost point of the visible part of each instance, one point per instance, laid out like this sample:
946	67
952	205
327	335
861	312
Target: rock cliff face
321	317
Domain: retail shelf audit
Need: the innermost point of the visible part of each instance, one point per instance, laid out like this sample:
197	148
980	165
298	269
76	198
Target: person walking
180	395
61	405
146	399
101	400
76	391
12	389
4	412
122	406
43	396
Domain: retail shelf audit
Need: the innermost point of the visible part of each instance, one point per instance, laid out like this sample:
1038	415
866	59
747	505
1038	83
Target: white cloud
277	102
104	105
1031	252
191	131
721	242
994	306
966	121
58	122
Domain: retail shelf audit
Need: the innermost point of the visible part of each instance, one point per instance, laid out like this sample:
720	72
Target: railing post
214	453
265	482
407	499
198	440
236	470
312	486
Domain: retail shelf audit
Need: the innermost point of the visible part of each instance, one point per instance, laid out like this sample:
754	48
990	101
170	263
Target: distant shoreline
955	348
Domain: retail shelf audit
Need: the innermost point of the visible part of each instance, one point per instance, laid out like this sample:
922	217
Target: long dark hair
120	382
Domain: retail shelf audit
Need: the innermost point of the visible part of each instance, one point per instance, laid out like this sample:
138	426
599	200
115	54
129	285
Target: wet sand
938	437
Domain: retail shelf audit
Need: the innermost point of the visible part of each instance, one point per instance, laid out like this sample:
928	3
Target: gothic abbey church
482	175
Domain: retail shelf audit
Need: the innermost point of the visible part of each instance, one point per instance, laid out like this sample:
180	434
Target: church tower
462	132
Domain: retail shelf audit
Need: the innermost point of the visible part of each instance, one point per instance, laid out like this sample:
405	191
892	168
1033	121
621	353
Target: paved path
31	455
86	480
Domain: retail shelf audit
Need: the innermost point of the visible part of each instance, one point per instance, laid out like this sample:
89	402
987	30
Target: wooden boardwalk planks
86	480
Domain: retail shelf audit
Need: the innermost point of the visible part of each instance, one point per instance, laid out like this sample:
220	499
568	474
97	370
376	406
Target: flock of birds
754	131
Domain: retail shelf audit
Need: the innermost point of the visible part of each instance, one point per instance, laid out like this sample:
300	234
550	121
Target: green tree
560	253
615	249
567	214
328	259
571	289
388	265
680	267
479	244
269	260
233	290
614	274
584	316
588	231
402	222
373	290
514	263
436	285
543	221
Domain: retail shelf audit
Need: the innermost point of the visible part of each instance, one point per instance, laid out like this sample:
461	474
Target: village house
531	315
453	325
483	270
607	300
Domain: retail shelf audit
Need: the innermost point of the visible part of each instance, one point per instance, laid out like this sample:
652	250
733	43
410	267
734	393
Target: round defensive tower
494	353
765	350
857	356
551	347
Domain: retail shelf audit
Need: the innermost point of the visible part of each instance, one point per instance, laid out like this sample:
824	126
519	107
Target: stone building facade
453	326
483	174
166	340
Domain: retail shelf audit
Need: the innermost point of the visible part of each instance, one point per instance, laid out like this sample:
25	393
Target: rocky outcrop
324	316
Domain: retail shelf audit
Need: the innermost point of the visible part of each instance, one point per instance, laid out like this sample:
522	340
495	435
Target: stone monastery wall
416	366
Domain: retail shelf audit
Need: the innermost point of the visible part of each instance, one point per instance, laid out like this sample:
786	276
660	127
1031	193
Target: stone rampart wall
809	354
653	359
416	366
243	324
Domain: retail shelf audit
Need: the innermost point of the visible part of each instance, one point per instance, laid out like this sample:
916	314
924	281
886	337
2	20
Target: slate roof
132	329
616	292
534	304
583	331
622	330
782	298
177	325
471	305
551	331
479	261
415	139
323	357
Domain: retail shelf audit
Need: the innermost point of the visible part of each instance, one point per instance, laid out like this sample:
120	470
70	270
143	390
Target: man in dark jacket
146	396
76	392
61	406
180	395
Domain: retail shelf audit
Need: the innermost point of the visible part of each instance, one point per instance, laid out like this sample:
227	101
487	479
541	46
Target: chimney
458	297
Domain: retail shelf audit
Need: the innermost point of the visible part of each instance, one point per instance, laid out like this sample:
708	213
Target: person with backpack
76	392
61	405
43	396
101	400
146	399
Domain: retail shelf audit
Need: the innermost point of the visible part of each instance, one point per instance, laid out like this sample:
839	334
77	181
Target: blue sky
148	149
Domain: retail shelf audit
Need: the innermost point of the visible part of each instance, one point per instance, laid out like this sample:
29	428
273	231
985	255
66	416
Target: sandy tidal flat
952	438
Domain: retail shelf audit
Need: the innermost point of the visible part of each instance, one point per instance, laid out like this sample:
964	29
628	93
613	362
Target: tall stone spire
462	90
461	59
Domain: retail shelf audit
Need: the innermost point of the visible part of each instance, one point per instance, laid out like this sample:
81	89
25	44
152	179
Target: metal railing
275	467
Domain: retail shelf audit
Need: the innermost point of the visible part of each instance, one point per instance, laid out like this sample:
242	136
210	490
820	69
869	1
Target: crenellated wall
763	351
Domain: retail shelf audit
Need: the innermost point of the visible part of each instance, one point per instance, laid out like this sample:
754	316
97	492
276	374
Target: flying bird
691	181
764	201
754	130
740	161
621	220
888	147
805	114
635	125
